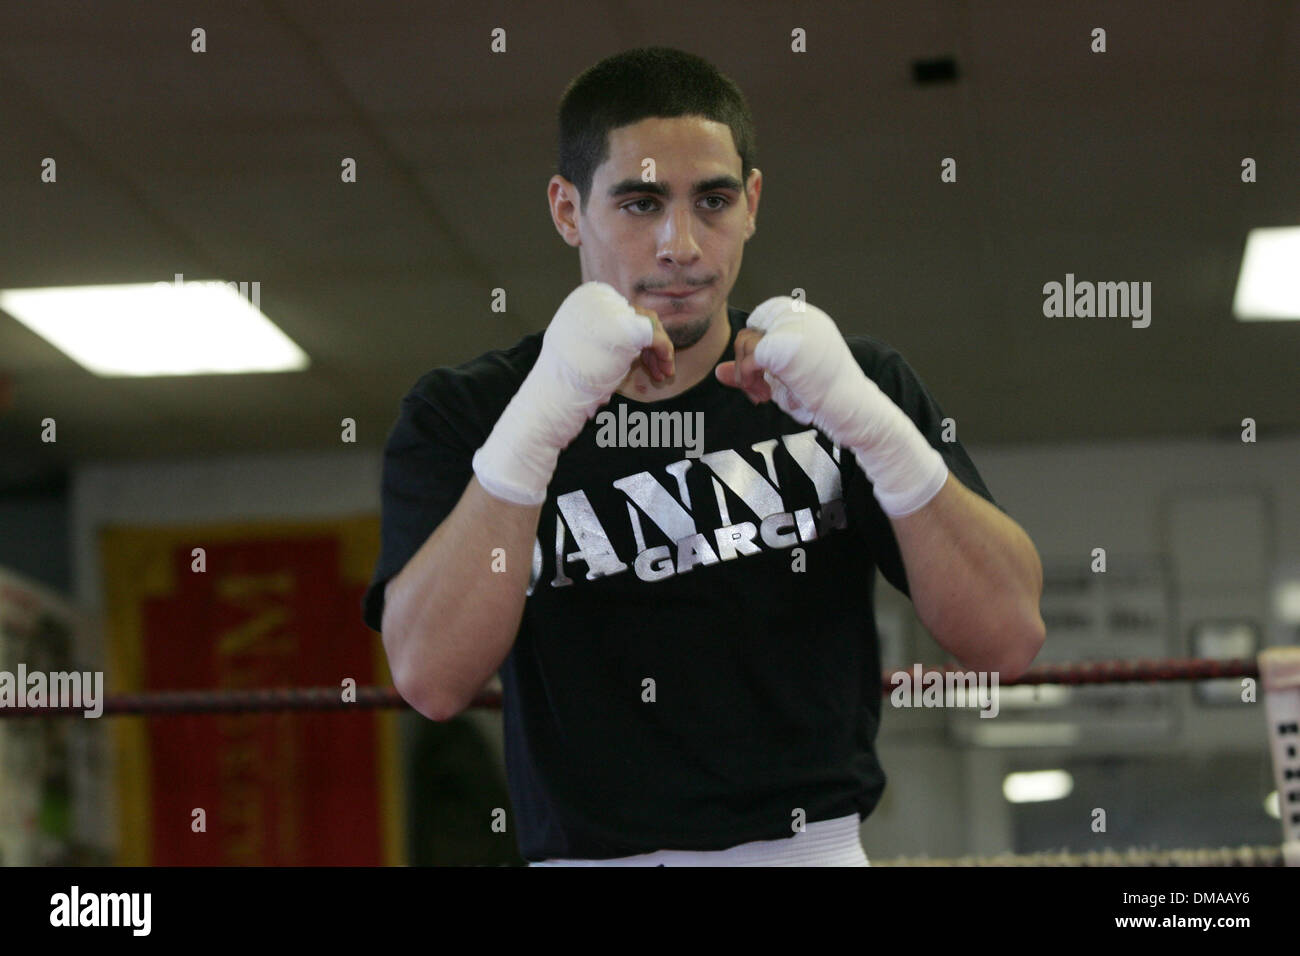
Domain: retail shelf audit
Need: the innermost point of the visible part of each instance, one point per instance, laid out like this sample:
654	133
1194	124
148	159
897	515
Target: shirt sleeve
896	379
427	465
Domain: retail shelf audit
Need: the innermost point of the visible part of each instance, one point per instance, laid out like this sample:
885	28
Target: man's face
683	232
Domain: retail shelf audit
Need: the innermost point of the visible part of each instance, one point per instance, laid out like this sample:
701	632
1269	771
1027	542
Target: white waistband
824	843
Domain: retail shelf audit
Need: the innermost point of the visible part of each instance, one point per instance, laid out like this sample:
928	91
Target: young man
685	634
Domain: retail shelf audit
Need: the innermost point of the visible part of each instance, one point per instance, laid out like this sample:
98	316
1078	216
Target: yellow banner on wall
241	607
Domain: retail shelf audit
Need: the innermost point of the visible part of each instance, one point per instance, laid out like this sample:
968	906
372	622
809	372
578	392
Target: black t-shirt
704	662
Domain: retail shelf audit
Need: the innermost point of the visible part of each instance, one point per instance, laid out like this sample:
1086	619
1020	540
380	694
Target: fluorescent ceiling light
1037	786
1273	806
1286	600
1269	284
1014	734
158	328
1032	696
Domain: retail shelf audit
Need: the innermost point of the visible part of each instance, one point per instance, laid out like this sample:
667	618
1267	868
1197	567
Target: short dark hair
645	82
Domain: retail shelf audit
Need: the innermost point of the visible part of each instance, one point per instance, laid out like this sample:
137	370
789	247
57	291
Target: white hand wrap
816	380
587	350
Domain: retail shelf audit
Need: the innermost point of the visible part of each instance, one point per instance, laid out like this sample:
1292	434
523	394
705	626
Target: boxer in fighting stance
687	646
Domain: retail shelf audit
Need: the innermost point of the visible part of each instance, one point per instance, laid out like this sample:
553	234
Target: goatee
688	333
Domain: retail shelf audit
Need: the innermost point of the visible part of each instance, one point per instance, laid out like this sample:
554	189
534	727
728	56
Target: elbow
443	705
416	685
1029	640
1030	633
438	709
1002	643
430	701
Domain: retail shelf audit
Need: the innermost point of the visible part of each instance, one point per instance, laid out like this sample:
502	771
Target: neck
691	365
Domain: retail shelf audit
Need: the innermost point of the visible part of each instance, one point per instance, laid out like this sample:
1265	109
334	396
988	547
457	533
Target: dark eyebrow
633	185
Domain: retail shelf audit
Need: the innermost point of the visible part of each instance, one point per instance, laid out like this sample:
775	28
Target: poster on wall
236	607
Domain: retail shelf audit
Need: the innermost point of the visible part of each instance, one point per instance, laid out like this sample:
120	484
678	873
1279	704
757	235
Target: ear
753	190
565	202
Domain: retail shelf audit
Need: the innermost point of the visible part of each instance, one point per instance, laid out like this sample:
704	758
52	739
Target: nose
676	240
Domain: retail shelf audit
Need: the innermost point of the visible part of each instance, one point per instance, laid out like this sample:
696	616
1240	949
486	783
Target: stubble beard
686	334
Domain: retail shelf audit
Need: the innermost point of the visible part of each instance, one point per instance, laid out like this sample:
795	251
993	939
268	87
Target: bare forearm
975	579
451	615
